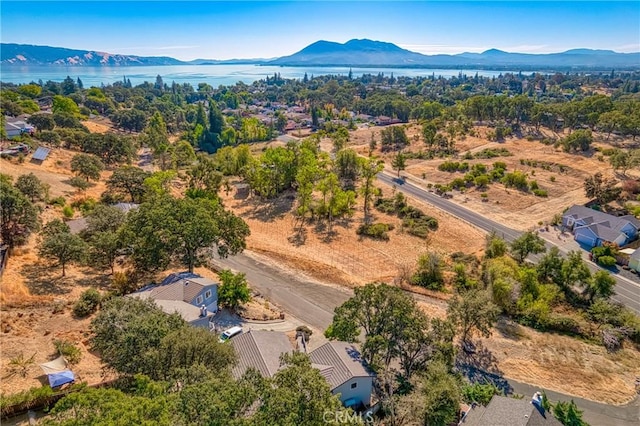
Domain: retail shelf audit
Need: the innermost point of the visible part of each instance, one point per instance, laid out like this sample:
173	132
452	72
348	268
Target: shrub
376	231
540	193
85	205
493	152
67	212
552	178
88	303
516	179
68	350
606	261
59	201
124	282
14	403
479	393
563	324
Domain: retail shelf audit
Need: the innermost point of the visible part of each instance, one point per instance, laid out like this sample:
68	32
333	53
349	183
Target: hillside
375	53
26	54
357	52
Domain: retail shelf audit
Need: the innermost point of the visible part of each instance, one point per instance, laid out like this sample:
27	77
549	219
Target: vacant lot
339	254
560	174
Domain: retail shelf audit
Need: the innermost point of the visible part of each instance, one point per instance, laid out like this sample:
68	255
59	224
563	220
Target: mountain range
354	53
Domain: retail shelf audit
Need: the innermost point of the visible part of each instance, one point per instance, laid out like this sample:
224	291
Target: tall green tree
58	243
568	414
18	218
601	285
87	166
297	395
369	169
528	243
31	186
472	312
128	181
603	190
157	138
399	162
435	400
233	289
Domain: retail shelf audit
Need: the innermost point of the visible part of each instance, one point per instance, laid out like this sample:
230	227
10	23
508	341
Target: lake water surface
214	75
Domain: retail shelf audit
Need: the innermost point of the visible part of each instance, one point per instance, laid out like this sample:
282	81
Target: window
354	385
198	300
207	295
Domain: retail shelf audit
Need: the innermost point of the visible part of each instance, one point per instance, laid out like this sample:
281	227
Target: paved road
627	291
313	303
305	299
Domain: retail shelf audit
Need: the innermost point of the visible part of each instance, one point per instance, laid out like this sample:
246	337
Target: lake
214	75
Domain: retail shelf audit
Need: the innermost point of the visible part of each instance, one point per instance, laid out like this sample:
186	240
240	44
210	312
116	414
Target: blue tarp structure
61	378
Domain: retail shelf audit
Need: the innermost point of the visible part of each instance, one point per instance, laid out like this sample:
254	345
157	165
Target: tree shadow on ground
509	329
267	210
46	280
299	237
482	367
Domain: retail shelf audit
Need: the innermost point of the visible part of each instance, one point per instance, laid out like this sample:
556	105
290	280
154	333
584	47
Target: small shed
40	155
242	190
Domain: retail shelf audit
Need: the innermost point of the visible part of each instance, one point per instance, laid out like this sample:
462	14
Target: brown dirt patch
32	330
339	254
562	363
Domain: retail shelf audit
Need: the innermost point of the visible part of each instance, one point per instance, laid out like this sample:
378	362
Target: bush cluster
87	304
377	231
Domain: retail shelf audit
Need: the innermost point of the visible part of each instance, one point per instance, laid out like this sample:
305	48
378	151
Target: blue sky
264	29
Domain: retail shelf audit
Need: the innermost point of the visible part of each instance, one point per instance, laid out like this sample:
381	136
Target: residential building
342	366
593	228
261	350
194	297
338	362
504	411
16	127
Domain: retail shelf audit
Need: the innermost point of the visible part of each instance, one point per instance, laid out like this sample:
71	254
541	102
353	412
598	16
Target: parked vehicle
228	334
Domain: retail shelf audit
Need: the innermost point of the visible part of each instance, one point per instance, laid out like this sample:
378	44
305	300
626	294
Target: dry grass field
563	178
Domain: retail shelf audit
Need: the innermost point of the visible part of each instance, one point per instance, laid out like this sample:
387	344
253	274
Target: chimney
536	400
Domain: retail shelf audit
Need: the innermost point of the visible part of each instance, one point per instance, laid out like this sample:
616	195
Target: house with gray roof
504	411
342	366
193	297
593	228
261	350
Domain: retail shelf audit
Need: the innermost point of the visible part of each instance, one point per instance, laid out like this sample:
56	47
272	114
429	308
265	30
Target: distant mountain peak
494	52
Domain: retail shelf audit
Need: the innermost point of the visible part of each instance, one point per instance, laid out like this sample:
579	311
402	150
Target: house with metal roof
593	228
261	350
15	126
504	411
193	297
342	366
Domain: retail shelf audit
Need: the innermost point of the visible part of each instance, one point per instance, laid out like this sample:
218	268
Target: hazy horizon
268	29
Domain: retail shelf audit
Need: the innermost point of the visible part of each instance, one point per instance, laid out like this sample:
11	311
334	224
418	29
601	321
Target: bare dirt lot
561	174
340	254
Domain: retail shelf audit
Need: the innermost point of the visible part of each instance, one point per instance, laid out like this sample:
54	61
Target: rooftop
504	411
260	349
339	362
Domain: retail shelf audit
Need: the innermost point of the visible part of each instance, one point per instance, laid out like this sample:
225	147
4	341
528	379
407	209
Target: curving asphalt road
313	303
627	291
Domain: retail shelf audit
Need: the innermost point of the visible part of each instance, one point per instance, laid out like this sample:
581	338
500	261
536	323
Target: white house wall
362	391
